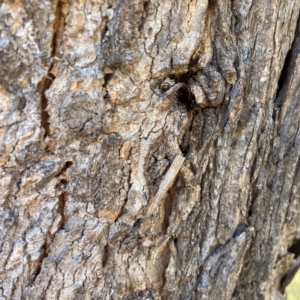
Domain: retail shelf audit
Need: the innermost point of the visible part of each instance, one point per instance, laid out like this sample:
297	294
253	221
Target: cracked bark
98	98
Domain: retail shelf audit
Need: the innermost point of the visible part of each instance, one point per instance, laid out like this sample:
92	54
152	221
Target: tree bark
149	149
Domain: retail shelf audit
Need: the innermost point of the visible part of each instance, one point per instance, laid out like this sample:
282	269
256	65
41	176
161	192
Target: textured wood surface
97	100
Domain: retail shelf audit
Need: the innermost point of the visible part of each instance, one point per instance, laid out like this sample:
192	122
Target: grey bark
149	149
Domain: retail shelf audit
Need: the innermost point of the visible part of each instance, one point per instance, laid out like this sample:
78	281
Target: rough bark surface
149	149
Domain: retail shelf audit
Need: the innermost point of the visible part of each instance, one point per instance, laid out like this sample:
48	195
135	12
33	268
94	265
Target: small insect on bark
166	183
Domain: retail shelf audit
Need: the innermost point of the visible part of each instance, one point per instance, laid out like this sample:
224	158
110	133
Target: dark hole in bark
107	78
67	165
186	97
146	5
64	182
295	248
250	212
184	150
176	244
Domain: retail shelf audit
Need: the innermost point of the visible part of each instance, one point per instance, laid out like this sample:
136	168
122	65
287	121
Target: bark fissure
44	85
46	82
58	27
282	79
62	199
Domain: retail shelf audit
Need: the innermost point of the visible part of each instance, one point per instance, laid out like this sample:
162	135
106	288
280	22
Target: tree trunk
149	149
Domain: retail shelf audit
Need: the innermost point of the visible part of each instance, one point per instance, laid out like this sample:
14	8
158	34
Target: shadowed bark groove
43	86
